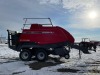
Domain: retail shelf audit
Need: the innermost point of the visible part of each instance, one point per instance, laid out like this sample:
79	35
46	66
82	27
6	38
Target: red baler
40	41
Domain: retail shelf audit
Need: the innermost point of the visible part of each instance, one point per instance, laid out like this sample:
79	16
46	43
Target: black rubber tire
25	55
67	56
41	55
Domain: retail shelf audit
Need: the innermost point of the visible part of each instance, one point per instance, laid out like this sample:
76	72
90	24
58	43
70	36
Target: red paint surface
45	35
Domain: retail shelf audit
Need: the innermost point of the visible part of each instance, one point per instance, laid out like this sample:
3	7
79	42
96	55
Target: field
10	64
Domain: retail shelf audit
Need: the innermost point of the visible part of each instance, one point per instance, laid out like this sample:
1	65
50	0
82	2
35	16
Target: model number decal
38	32
24	40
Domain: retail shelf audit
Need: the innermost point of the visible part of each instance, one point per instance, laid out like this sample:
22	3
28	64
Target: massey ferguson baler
40	41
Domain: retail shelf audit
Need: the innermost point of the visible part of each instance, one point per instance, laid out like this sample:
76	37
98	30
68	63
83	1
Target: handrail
35	23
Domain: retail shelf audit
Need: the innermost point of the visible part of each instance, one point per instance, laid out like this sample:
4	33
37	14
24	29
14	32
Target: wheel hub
25	55
41	55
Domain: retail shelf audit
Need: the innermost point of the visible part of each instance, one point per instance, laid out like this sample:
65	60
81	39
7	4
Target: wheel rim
66	56
40	55
25	55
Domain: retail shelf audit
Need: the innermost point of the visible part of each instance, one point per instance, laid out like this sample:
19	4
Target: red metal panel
46	35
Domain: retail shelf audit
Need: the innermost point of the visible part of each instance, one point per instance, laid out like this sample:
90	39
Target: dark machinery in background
89	44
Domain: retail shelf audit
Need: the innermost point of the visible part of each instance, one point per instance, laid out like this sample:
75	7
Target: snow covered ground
89	64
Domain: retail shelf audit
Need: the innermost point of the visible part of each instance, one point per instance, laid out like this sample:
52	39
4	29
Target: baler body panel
45	35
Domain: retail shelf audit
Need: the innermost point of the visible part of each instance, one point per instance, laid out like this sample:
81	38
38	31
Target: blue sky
73	15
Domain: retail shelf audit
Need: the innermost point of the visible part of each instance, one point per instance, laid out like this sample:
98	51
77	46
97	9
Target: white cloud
50	1
75	4
71	4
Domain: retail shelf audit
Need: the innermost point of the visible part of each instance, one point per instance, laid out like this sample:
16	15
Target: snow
10	64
